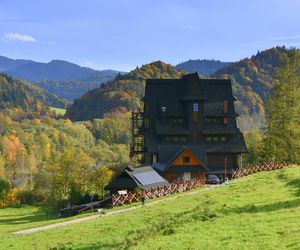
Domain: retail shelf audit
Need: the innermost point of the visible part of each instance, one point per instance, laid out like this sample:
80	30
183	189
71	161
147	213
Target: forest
49	159
53	161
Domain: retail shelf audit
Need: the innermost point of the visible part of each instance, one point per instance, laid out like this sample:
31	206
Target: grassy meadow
261	211
58	111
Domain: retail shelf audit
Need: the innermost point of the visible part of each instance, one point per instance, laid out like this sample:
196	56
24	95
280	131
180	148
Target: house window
216	138
211	120
182	139
208	138
154	158
164	109
225	120
186	159
176	120
196	107
176	139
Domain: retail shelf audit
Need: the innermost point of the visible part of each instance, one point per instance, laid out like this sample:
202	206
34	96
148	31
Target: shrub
10	198
29	197
4	188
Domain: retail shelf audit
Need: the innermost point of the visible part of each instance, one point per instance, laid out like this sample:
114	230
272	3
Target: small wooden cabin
132	178
188	128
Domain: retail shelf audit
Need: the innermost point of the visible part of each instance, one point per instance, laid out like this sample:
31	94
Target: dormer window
163	109
195	112
196	107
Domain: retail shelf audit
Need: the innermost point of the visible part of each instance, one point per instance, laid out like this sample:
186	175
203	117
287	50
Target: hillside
203	67
58	77
260	211
19	94
252	79
123	93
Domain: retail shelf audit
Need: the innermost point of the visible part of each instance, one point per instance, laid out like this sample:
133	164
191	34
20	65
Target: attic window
186	159
164	109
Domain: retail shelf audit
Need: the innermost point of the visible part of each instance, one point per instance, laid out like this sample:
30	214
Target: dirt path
59	224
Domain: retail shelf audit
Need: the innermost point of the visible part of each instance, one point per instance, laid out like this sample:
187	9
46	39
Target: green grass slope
261	211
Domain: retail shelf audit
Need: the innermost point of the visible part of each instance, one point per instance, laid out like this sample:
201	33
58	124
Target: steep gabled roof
170	152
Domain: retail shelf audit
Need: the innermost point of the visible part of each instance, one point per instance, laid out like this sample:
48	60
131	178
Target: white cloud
11	37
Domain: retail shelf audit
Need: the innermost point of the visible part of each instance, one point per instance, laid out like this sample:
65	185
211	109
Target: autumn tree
282	138
100	178
15	153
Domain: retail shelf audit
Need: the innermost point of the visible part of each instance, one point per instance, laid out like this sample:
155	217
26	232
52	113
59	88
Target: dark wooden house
188	128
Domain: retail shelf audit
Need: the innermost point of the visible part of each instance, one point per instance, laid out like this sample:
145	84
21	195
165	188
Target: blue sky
123	34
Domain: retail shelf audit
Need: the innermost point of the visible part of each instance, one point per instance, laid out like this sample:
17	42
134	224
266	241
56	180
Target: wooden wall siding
198	175
179	160
171	177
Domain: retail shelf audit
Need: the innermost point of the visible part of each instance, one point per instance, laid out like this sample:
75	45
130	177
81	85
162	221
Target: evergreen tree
282	139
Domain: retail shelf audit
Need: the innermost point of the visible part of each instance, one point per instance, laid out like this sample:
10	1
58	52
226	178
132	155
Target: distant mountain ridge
56	70
203	67
62	78
25	96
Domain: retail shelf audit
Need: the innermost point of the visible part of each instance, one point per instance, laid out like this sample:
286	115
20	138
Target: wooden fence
179	186
258	168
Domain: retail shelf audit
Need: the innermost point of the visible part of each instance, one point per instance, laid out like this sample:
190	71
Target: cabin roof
169	152
142	177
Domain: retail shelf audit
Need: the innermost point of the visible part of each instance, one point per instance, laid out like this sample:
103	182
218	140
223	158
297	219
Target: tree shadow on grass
98	246
271	207
282	176
38	215
295	184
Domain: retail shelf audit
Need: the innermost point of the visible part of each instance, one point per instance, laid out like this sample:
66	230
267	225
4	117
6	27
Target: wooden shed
132	178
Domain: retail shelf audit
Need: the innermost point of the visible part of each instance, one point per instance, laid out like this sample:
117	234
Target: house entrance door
187	176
